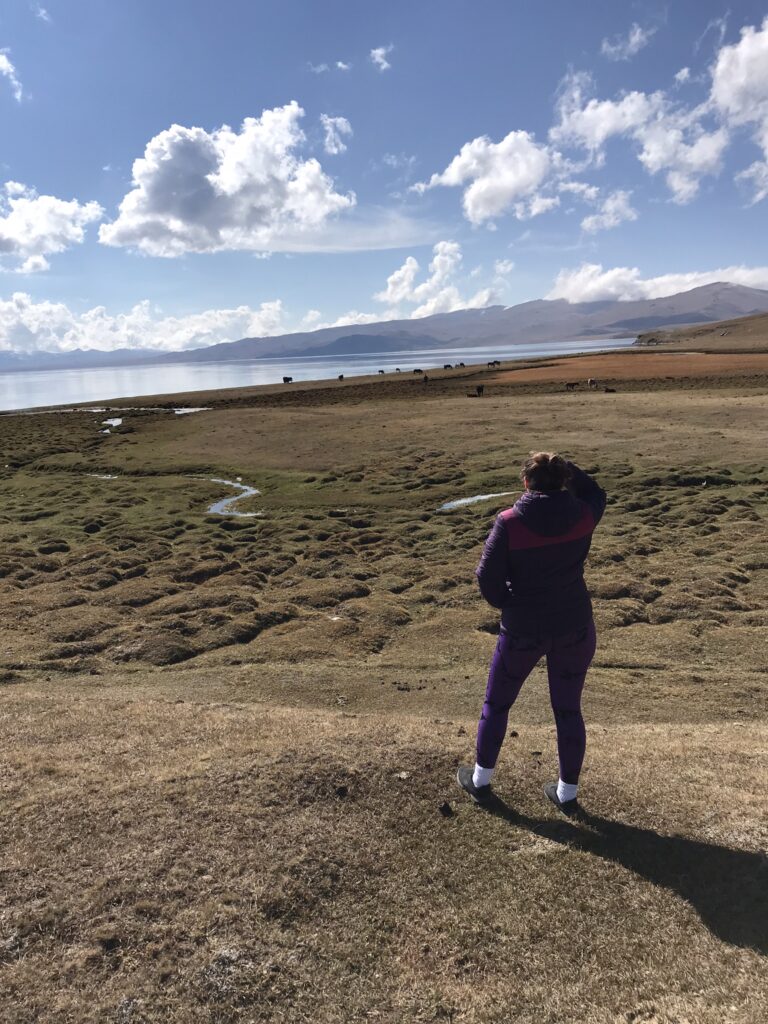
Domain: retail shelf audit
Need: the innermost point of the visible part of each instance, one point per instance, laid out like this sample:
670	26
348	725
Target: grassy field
226	742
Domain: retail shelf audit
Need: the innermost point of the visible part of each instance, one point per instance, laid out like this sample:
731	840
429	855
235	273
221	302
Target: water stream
224	506
449	506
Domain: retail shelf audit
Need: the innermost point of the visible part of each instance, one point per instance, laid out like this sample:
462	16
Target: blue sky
178	173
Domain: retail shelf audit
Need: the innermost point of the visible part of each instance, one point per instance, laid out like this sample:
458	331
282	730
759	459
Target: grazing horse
341	376
418	371
571	385
460	364
398	370
447	366
381	371
287	380
592	383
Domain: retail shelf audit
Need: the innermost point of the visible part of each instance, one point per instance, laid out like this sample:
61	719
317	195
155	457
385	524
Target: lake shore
635	367
92	386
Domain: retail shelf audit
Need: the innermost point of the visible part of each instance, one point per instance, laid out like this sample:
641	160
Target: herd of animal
571	385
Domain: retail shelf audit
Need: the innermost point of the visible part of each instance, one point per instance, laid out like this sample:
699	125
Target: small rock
403	775
535	753
462	731
342	791
514	734
446	810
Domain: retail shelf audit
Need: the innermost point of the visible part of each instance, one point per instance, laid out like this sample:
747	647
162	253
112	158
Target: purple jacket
532	566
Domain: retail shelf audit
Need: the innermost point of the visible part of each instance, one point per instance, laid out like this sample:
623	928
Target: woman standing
532	568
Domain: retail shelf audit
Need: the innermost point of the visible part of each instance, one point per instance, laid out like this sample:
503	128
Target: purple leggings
568	659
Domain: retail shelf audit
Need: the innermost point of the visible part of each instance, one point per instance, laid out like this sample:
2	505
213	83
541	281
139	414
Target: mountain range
538	321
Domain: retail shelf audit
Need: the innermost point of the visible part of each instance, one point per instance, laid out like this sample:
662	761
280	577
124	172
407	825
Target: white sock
566	791
482	776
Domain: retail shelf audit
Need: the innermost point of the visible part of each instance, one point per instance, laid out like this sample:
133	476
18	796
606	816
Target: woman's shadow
728	888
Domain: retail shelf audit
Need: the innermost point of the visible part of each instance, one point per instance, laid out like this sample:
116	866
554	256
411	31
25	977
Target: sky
175	173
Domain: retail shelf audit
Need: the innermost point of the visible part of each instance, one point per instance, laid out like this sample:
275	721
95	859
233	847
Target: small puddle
224	507
449	506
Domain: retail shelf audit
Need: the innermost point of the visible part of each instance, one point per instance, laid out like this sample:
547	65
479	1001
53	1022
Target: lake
29	389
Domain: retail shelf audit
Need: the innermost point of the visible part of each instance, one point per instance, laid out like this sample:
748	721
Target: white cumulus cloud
26	325
400	283
740	85
684	150
199	191
757	175
668	138
33	227
581	189
625	47
7	70
503	267
589	122
683	75
591	282
335	128
614	210
378	57
497	176
438	293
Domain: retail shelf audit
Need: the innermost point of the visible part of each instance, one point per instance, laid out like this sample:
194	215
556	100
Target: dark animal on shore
341	376
447	366
571	385
287	380
398	370
592	383
495	362
610	391
418	371
479	389
461	364
381	371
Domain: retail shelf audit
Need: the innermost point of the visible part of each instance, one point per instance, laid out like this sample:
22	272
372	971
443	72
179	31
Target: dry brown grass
178	861
205	721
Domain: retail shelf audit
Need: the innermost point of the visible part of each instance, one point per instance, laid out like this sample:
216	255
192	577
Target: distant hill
529	322
79	358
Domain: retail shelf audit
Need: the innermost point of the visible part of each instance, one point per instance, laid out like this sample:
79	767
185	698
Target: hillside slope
743	334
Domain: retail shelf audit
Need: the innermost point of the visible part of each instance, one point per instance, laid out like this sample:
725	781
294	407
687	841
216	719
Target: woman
532	568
